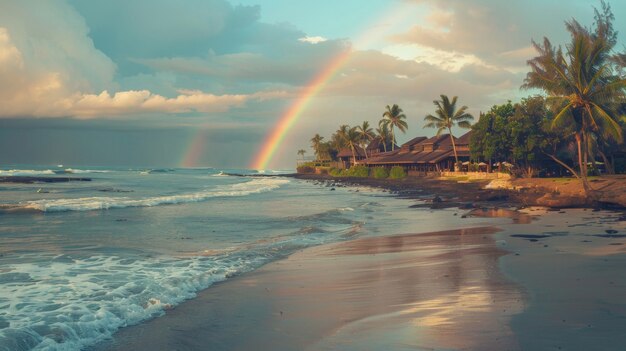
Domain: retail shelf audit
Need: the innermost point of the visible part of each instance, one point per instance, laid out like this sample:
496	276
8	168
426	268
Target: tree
301	152
366	134
351	137
490	138
583	84
447	116
316	143
382	132
395	118
530	134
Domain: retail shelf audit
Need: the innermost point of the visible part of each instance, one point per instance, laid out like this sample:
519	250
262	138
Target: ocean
80	260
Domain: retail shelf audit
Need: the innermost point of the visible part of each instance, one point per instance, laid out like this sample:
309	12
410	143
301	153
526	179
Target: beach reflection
425	290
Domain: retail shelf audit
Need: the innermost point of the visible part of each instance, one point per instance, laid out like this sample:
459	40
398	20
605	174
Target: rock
556	201
611	231
437	199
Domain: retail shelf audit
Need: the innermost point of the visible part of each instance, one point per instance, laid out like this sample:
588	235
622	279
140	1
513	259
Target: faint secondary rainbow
193	154
278	133
195	150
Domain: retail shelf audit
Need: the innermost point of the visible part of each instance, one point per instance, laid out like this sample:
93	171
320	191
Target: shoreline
367	291
446	193
409	290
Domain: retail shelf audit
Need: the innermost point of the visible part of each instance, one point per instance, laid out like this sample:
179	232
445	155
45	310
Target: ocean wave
76	303
79	171
103	203
26	172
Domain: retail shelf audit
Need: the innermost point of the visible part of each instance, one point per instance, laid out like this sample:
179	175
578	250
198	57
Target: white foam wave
78	171
25	172
102	203
220	174
69	304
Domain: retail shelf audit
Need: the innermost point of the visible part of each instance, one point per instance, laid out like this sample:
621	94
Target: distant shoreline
555	193
33	180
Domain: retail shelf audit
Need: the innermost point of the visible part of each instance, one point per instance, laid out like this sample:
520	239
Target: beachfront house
421	155
375	147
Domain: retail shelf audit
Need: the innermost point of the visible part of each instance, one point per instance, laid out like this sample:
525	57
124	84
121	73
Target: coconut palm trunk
456	156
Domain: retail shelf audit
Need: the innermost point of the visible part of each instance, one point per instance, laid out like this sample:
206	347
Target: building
375	148
421	155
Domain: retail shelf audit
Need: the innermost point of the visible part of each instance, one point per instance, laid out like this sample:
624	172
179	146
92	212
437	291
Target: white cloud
313	40
450	61
50	68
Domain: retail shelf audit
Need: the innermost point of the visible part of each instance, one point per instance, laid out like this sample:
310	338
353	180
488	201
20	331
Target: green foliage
397	172
490	138
335	172
358	172
585	84
519	133
394	117
380	172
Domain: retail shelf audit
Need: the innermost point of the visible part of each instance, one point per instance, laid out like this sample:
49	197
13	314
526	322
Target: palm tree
383	133
582	84
301	152
447	116
316	142
351	138
395	118
366	134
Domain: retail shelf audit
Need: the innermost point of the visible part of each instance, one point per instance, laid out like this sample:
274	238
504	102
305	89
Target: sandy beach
415	291
547	281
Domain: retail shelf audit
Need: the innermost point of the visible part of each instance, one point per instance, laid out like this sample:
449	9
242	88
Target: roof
376	144
464	139
414	141
441	140
347	152
406	156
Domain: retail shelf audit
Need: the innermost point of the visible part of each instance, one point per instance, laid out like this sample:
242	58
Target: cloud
55	70
312	40
496	32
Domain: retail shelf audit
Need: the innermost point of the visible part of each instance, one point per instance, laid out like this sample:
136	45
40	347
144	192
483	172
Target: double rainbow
277	134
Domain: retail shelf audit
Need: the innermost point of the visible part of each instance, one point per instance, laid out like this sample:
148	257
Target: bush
358	172
335	172
380	172
397	172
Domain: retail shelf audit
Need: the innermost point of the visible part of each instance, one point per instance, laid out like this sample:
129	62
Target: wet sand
425	291
550	280
573	264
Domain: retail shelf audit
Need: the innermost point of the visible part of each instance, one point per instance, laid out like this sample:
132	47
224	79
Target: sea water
81	259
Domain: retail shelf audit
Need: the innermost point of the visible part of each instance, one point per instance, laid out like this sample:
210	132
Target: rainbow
277	134
195	150
289	118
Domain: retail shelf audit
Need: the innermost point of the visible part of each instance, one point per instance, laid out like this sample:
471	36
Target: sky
156	83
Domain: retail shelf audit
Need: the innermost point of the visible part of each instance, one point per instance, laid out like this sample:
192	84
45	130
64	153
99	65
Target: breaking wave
103	203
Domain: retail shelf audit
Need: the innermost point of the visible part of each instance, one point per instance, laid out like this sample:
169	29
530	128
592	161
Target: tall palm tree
316	143
395	118
366	134
351	137
582	84
382	132
301	152
447	116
